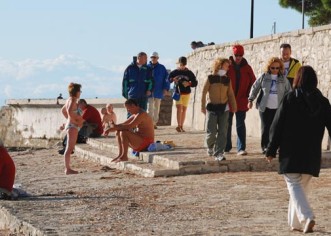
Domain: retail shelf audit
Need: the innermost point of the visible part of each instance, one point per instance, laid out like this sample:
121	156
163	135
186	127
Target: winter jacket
264	83
160	78
297	130
136	81
242	85
219	90
185	75
293	69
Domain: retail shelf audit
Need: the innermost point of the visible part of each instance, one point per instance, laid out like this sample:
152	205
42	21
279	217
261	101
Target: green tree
319	11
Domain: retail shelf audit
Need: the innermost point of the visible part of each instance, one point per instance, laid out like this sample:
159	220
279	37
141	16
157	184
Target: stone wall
36	122
311	46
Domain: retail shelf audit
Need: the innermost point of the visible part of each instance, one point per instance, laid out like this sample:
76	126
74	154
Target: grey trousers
217	127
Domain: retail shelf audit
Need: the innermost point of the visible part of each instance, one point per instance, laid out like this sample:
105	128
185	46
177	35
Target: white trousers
154	109
299	210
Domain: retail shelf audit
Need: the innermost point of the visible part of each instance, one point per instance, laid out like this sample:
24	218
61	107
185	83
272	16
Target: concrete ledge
11	222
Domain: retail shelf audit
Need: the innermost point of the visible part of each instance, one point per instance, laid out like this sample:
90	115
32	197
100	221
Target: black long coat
298	129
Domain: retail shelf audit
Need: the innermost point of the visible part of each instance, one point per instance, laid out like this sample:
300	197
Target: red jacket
242	85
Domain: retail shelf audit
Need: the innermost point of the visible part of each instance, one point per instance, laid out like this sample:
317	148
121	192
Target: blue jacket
160	76
136	81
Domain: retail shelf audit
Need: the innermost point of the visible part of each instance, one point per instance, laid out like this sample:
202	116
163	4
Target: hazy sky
47	44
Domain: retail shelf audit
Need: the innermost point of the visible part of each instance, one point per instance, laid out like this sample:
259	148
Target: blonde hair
218	63
272	60
73	89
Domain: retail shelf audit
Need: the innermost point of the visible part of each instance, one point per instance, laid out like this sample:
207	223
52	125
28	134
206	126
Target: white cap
154	54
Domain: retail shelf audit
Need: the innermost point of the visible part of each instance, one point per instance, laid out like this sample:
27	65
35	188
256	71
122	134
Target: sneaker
309	226
210	152
242	153
220	157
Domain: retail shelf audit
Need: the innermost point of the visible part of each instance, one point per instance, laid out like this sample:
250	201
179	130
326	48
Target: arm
149	81
255	88
232	99
193	80
203	96
166	84
125	83
64	111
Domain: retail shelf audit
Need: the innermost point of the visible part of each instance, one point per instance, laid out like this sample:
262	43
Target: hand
185	84
165	92
175	79
148	93
250	104
203	110
269	159
61	127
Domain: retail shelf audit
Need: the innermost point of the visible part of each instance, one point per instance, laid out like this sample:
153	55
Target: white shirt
286	68
272	102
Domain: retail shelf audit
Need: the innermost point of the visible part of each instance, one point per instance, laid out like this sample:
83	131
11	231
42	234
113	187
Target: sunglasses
238	55
274	68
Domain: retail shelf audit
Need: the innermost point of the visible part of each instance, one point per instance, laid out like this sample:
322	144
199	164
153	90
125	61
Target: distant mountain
37	79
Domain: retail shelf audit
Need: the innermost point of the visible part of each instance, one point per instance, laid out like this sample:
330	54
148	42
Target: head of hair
73	89
305	78
272	60
82	102
218	63
285	45
103	110
141	54
131	102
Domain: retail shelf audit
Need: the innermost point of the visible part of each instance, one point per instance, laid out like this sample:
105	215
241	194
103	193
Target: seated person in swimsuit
136	132
108	118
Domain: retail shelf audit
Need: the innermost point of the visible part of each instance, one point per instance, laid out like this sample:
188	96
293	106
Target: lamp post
303	14
252	18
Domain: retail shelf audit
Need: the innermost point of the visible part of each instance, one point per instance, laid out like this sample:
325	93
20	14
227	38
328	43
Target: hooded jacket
160	78
136	81
297	130
242	85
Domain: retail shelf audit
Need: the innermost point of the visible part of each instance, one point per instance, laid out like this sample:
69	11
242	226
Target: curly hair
73	89
272	60
218	63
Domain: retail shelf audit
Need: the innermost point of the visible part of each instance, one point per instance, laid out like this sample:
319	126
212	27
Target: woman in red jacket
7	173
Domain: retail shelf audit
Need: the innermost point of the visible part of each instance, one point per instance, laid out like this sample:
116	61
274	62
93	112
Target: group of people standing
293	114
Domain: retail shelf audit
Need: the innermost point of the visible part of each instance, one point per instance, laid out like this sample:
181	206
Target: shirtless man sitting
136	132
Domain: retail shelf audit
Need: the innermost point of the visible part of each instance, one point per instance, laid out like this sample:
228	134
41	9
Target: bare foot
116	158
70	172
122	159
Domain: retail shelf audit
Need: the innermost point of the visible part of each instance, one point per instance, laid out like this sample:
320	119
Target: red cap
238	49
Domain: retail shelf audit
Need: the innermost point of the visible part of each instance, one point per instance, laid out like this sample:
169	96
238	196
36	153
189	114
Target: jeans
241	131
217	125
299	209
154	109
266	120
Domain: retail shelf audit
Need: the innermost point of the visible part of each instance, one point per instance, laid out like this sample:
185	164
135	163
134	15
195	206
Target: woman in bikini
74	122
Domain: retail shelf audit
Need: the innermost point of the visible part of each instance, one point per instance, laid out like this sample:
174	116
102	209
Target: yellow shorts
184	100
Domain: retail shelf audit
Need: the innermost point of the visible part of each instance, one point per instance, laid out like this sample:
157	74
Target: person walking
242	78
270	89
7	174
160	89
184	80
137	81
297	131
291	65
219	88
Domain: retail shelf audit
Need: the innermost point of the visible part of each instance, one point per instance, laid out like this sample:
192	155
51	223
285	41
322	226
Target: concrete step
173	163
136	166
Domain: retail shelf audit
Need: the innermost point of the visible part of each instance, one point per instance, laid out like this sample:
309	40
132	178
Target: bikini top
79	112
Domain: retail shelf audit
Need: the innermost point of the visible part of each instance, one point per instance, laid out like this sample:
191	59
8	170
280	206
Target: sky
45	45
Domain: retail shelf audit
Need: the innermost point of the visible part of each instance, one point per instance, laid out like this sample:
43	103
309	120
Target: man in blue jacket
161	87
138	81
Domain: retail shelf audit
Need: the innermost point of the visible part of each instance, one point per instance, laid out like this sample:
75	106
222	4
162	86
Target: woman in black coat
297	130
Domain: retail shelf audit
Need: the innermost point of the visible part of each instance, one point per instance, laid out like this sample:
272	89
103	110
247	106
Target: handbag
176	94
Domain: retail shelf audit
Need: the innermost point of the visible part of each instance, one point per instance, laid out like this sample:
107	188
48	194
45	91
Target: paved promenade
102	200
